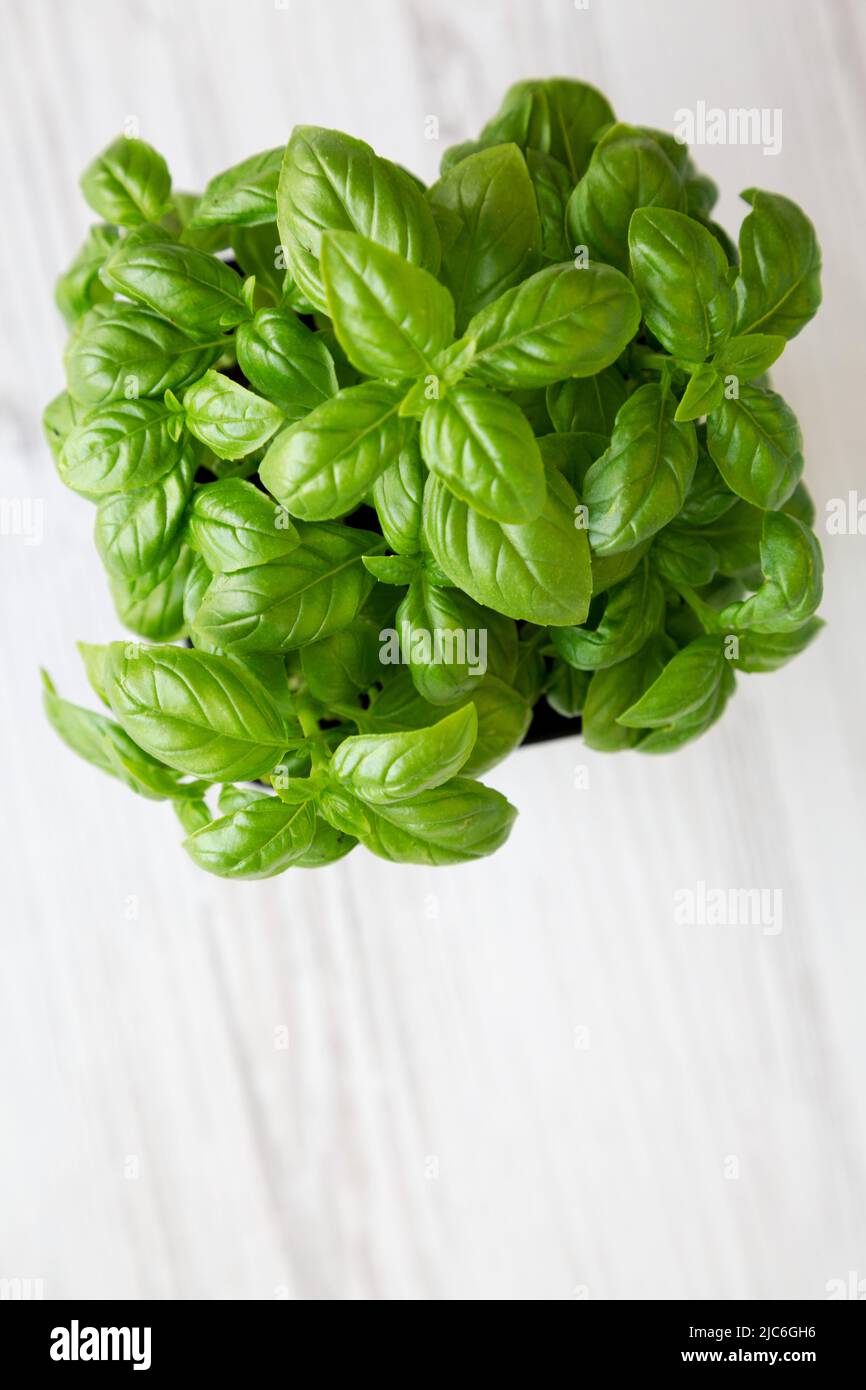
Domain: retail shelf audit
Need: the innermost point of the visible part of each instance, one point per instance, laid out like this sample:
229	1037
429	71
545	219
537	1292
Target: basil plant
376	467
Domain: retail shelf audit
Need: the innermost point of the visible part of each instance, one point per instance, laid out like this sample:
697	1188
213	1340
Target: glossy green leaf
228	418
588	403
681	275
301	598
129	352
324	465
556	115
633	612
628	170
201	714
339	667
246	193
613	689
386	768
640	482
134	530
286	362
685	699
233	525
391	317
552	184
199	294
482	446
538	570
793	570
151	604
703	394
258	840
452	824
498	239
398	496
79	287
779	285
106	745
756	444
560	322
122	446
128	183
332	182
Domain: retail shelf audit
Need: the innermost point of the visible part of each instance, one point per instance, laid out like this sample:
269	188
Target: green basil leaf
767	651
326	847
393	569
257	251
398	496
301	598
628	170
560	322
608	570
324	465
749	354
685	699
587	403
390	317
756	444
793	570
151	604
499	240
196	292
339	667
572	454
122	446
614	689
106	745
80	287
703	394
735	537
640	482
134	530
452	824
444	636
556	115
246	193
128	183
503	719
552	184
59	419
567	690
287	363
779	286
538	570
634	611
384	768
482	446
258	840
332	182
709	496
233	525
93	655
681	276
685	557
126	351
202	714
228	418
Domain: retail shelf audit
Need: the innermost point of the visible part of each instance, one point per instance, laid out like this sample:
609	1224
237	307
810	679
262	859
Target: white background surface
432	1129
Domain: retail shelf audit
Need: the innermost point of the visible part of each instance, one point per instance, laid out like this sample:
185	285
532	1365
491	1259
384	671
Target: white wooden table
519	1079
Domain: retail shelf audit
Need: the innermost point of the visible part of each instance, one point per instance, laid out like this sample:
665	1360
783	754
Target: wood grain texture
520	1079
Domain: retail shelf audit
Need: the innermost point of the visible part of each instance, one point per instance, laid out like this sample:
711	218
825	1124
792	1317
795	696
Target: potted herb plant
380	472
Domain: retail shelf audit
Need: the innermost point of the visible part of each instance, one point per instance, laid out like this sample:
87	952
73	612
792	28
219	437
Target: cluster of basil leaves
542	383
